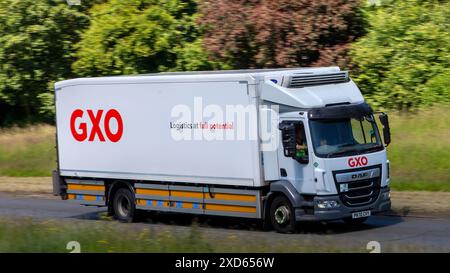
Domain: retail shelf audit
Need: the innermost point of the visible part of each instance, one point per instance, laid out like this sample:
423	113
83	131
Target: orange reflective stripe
186	194
232	197
152	192
90	197
230	208
85	187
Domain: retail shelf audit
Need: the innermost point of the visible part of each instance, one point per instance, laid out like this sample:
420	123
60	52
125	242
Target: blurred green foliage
404	60
141	36
36	49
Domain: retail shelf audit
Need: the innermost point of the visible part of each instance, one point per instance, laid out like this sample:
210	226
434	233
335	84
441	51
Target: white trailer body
197	143
147	149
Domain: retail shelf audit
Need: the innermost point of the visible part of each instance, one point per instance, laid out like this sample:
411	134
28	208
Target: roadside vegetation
25	235
27	151
28	235
419	152
396	50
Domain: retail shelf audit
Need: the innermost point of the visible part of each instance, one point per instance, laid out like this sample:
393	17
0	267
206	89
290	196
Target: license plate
361	214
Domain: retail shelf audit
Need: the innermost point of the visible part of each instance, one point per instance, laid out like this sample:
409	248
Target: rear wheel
124	205
282	215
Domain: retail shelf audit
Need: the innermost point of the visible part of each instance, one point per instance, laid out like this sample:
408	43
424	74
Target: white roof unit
298	80
295	87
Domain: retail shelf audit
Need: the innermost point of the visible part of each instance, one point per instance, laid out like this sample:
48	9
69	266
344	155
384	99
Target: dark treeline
397	51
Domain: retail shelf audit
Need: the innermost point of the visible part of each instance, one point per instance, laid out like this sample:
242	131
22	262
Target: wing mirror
386	130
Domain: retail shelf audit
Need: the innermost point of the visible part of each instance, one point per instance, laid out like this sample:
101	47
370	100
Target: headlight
327	204
387	195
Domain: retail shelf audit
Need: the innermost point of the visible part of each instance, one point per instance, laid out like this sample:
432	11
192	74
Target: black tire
265	224
124	206
355	222
282	215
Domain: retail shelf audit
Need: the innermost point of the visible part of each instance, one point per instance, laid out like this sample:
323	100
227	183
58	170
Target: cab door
295	155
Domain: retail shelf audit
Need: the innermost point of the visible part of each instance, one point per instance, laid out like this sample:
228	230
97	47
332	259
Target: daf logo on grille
356	176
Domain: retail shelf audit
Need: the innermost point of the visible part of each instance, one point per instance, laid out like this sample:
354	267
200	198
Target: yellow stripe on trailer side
188	194
152	192
90	197
85	197
152	203
198	199
86	192
231	197
230	208
85	187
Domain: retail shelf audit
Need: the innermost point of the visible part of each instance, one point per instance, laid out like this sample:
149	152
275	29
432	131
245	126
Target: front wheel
124	205
282	215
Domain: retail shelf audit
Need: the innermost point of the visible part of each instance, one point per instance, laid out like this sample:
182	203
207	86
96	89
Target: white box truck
278	145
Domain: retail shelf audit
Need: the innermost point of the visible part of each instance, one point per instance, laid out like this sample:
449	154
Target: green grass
20	235
419	152
27	151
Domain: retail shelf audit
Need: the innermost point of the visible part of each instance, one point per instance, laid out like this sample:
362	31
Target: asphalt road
395	234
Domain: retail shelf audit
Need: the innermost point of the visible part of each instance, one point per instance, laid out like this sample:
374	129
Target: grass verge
33	236
27	151
420	150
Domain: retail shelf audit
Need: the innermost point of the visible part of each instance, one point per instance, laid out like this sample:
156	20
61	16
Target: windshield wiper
374	148
346	145
355	152
351	152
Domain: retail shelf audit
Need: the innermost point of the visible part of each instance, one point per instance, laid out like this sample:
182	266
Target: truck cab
332	158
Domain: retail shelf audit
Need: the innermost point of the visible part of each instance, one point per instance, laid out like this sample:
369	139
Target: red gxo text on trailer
100	125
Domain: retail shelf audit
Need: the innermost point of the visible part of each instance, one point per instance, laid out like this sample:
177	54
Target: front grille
360	192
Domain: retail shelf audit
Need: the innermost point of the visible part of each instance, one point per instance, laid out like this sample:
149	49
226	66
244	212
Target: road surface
398	234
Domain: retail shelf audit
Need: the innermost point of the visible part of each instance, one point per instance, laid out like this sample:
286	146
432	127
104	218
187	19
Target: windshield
343	137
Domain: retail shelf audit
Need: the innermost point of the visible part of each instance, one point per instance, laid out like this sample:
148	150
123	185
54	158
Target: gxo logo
357	161
81	133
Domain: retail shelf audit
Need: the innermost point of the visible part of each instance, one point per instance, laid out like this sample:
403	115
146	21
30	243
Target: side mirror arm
384	120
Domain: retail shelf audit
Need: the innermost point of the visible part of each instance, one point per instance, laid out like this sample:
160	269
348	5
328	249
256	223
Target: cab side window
294	140
301	145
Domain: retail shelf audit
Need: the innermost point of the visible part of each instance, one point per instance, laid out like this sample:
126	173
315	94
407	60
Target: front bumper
382	204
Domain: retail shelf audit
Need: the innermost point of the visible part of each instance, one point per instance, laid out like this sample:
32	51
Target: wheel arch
284	188
113	187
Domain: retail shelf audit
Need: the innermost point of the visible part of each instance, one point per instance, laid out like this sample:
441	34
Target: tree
36	42
404	61
140	36
280	33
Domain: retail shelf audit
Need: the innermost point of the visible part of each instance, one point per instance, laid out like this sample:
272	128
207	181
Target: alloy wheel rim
282	215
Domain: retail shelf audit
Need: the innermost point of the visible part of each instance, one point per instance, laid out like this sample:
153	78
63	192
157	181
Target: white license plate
361	214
